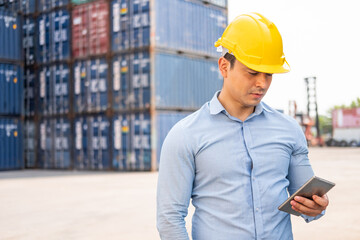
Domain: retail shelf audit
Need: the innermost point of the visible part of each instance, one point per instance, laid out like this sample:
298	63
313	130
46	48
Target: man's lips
258	95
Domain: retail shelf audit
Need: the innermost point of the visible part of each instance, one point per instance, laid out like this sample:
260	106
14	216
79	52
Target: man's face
245	86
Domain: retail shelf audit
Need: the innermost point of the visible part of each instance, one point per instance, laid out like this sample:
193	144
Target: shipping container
179	25
55	143
46	5
54	89
345	128
27	6
54	36
188	26
181	82
30	92
92	146
164	122
131	81
28	40
78	2
132	141
19	6
29	144
90	29
10	36
130	24
135	137
90	85
219	3
11	144
11	89
346	118
185	82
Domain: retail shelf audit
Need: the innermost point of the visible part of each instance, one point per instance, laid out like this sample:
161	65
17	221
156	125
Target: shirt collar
216	107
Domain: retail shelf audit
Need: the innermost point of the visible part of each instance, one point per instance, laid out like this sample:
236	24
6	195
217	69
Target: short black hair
231	58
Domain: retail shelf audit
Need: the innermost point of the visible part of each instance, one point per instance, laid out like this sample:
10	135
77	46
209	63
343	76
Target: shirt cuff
309	219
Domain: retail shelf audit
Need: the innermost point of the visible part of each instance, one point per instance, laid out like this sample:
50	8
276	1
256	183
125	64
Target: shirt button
253	179
257	209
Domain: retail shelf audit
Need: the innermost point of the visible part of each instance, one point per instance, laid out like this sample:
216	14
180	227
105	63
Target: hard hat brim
268	68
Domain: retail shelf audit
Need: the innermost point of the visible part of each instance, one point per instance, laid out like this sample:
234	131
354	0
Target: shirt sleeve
175	183
300	169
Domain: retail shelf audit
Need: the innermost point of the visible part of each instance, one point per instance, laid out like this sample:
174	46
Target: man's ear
224	65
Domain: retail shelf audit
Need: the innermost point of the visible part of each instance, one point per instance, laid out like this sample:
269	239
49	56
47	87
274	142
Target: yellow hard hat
255	42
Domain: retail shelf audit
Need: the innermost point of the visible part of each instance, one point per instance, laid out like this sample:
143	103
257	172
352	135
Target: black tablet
315	186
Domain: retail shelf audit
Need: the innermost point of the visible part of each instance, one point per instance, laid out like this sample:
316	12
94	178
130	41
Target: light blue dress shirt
236	172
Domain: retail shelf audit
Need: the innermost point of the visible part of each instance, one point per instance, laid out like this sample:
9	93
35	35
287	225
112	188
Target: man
236	157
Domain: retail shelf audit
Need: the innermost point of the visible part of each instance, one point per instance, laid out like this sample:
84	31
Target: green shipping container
78	2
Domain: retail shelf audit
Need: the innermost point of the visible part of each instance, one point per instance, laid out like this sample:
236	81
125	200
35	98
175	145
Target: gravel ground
39	204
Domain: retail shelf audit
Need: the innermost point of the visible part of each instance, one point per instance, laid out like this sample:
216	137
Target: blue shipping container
185	83
92	146
54	89
30	92
164	122
10	36
11	89
188	26
132	141
219	3
179	25
46	5
27	6
29	40
54	149
131	81
130	24
22	6
54	36
11	144
29	143
90	85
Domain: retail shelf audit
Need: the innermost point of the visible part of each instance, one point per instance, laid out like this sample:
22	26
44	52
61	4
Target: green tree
325	124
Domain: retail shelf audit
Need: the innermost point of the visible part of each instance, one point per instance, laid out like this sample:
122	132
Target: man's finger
306	202
305	210
322	201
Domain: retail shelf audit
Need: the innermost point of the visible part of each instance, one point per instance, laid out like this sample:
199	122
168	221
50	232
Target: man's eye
269	74
253	73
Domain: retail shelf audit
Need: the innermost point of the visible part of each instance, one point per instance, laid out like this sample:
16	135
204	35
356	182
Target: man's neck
234	108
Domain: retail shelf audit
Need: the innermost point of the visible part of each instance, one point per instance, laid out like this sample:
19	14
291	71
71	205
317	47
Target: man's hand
309	207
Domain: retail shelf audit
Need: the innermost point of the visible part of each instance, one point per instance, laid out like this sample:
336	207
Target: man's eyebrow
249	69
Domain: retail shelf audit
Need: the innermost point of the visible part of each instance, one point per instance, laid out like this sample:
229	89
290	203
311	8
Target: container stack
107	79
164	67
29	36
47	57
11	89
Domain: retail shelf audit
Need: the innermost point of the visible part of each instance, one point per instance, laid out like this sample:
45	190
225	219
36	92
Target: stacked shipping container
47	57
106	80
346	127
11	90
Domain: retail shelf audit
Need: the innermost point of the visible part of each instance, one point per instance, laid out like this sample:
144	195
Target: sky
320	38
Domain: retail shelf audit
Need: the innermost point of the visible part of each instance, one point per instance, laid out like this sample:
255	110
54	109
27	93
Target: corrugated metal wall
10	35
54	36
11	89
11	142
185	82
188	26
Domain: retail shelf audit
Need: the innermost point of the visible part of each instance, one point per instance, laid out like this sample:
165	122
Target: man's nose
262	80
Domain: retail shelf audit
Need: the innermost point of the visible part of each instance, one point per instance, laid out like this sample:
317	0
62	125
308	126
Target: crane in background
310	120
